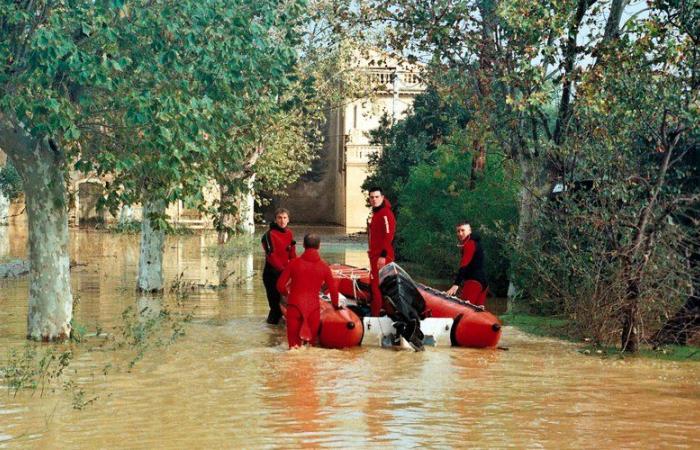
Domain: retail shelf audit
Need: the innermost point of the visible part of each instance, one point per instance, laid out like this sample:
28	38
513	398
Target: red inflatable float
340	328
472	326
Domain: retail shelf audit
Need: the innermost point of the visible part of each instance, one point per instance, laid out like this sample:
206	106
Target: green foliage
616	241
125	227
411	141
437	197
47	370
32	370
146	329
10	182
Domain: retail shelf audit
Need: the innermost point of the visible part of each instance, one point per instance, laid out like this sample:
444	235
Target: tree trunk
226	221
630	318
246	208
41	164
50	298
236	211
4	208
126	215
150	278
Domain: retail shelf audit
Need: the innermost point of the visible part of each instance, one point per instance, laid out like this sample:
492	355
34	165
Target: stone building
331	193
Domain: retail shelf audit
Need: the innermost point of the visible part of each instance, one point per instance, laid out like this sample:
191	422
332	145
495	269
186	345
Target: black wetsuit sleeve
461	275
266	243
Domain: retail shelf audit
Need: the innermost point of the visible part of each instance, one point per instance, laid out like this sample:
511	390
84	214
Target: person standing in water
301	282
280	248
381	228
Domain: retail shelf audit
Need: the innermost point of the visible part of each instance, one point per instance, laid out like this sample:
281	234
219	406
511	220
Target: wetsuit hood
384	203
274	226
473	236
311	255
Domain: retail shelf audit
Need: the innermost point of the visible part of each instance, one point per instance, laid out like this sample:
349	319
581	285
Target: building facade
332	193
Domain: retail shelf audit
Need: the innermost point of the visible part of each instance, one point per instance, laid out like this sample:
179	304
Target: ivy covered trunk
50	297
150	278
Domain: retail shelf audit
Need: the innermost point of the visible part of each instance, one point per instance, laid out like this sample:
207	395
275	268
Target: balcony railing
359	154
383	80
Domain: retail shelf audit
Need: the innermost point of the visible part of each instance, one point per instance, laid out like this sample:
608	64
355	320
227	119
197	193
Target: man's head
312	241
376	196
464	229
282	217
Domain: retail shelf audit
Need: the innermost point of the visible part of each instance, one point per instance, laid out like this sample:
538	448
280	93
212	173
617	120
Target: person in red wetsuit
471	267
380	229
280	248
301	282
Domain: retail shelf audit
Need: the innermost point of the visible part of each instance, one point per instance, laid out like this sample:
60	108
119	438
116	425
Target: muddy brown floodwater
230	381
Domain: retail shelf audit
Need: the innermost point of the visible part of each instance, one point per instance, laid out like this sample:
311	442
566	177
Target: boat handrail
451	297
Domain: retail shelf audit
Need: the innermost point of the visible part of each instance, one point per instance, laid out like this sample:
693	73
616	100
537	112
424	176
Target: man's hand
452	290
381	262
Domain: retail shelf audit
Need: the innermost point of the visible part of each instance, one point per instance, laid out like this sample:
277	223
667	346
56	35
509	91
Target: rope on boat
353	277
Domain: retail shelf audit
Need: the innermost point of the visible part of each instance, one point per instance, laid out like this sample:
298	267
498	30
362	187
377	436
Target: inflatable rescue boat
407	302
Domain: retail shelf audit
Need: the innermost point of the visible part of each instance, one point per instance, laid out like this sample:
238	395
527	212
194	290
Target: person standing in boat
380	229
301	282
280	248
471	275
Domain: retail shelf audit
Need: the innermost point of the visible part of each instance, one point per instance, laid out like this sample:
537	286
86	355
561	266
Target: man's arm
389	229
332	287
467	255
292	249
283	280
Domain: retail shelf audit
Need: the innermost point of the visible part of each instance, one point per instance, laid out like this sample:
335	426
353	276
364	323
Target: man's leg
376	305
314	320
473	292
270	277
294	321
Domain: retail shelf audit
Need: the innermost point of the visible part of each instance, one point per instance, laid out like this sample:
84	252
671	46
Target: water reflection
230	382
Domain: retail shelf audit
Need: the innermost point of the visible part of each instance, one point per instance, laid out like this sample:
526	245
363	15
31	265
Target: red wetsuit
280	248
307	273
381	229
471	272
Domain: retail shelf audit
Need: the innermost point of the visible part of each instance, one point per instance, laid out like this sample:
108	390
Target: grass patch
557	327
665	353
539	325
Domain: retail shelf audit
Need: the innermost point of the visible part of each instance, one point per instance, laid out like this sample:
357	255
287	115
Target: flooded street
231	382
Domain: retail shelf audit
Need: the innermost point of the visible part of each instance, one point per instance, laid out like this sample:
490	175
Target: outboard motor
401	293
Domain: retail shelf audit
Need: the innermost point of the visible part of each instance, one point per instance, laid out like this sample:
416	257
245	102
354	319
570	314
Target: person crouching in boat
471	267
381	227
280	248
301	282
